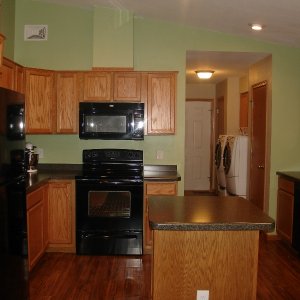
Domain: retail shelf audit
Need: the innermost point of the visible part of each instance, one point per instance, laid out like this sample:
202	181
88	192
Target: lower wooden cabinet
285	208
61	216
154	189
51	219
37	228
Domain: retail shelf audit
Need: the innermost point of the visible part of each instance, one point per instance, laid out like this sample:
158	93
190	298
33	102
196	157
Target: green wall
7	27
159	46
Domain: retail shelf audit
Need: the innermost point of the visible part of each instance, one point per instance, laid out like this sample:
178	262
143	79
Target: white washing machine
219	151
235	161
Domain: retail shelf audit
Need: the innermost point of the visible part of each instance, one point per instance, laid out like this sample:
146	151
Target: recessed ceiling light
256	27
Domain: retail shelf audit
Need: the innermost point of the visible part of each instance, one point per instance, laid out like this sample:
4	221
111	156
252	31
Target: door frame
212	134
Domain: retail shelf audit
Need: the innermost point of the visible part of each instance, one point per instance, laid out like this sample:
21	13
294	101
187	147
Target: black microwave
111	121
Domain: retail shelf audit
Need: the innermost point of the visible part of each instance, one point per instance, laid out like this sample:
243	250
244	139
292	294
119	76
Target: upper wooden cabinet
7	74
161	103
19	79
127	86
2	38
40	101
97	86
67	99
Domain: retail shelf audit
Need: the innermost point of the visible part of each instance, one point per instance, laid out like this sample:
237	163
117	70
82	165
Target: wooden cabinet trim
286	185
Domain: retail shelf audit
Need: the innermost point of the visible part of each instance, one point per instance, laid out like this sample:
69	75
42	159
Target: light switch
159	154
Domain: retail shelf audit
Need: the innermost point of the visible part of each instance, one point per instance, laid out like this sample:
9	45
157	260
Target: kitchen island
205	243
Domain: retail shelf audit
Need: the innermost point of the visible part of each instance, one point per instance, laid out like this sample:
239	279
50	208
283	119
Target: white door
198	145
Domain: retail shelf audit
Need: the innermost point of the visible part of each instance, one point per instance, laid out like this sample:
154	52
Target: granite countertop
51	172
69	171
161	173
293	175
206	213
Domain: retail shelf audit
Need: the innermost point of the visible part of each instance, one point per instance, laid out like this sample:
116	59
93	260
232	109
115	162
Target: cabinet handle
261	167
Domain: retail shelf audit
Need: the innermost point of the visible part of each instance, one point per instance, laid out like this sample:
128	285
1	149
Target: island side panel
223	262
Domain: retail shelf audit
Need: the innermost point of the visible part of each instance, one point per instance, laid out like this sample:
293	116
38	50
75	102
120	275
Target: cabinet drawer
166	188
286	185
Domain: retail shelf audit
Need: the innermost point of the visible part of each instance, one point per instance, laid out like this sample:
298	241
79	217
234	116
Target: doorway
258	145
198	145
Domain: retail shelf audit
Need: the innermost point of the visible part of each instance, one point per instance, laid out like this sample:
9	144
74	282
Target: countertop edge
267	227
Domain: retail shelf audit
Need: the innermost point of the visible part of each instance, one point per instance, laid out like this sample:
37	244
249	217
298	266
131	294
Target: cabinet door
7	74
2	38
161	103
127	86
61	212
36	229
19	79
97	86
154	189
285	209
39	101
67	102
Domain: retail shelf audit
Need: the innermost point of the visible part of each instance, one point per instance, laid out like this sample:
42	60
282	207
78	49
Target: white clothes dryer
235	160
219	151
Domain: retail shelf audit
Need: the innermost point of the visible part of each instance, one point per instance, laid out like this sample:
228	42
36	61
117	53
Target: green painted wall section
7	27
113	38
70	36
162	46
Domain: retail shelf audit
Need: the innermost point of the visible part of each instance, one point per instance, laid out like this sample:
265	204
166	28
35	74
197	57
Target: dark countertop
206	213
161	173
292	175
51	172
69	171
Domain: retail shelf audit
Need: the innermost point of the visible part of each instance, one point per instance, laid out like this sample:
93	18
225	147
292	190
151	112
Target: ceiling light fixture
256	27
204	74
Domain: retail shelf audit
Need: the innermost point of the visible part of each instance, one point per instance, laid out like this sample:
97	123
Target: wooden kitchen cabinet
154	189
7	74
161	103
61	216
40	101
37	227
19	79
285	208
2	38
127	86
97	86
67	99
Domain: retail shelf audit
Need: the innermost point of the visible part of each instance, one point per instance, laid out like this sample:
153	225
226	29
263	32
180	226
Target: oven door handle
110	236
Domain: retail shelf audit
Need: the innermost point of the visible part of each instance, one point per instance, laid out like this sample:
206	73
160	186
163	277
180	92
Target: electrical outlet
159	154
202	295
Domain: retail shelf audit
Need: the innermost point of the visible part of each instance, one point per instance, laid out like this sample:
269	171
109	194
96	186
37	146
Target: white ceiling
281	20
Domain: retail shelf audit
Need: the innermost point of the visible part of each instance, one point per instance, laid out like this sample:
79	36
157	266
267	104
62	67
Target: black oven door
109	218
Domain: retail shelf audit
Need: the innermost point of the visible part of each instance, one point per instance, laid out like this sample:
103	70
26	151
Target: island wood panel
40	101
223	262
7	74
61	216
97	86
67	100
161	103
127	86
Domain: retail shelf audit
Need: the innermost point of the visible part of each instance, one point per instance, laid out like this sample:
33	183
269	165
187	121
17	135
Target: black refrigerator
13	229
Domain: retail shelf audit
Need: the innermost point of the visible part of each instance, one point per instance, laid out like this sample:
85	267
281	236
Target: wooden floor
62	276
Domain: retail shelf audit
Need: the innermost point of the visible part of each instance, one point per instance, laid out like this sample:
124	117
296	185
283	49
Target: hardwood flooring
62	276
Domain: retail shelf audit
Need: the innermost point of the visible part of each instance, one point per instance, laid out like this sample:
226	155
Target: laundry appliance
235	161
219	152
